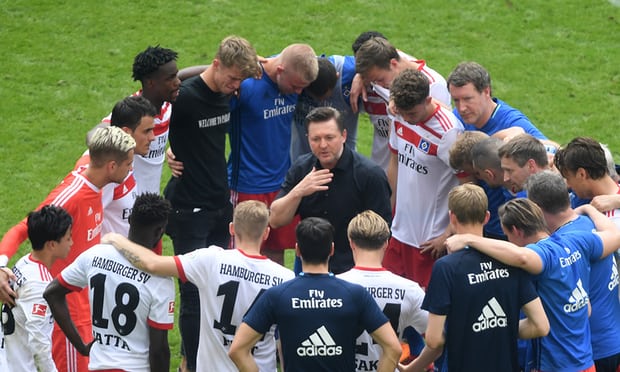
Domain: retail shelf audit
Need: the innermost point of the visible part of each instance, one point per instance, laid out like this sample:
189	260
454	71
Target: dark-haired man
333	182
319	316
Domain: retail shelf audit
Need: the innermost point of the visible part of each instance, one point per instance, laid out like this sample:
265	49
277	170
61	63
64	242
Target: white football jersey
229	281
148	168
29	346
424	175
400	300
125	302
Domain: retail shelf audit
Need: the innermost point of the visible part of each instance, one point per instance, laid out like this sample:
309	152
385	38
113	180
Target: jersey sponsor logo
571	259
488	273
319	343
171	307
39	309
577	300
492	316
614	278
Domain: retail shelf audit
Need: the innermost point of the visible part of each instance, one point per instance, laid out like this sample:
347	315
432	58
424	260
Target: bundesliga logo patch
39	309
171	307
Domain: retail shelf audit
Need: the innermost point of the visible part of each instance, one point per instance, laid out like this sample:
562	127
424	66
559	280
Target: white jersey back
125	302
229	281
400	300
424	175
29	347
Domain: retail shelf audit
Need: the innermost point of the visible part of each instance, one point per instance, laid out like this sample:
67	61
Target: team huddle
467	241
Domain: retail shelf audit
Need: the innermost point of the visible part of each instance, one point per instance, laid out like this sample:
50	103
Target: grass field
64	64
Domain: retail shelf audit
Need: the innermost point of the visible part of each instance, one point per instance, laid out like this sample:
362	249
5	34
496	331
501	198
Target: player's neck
556	221
474	229
369	259
604	186
322	268
96	176
157	102
43	256
488	113
249	248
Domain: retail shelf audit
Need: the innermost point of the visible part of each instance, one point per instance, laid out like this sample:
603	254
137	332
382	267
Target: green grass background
63	64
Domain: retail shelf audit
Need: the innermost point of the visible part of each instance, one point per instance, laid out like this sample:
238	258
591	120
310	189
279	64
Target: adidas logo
492	316
319	343
577	299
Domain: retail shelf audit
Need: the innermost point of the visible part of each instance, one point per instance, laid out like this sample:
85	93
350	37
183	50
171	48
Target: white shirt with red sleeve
229	281
125	302
29	346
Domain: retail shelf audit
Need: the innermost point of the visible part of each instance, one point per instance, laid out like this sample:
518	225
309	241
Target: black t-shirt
198	128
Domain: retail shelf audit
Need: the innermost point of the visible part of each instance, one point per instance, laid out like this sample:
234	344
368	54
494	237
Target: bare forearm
283	210
426	357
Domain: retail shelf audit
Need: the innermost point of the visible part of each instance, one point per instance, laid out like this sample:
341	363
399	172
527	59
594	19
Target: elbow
435	343
543	329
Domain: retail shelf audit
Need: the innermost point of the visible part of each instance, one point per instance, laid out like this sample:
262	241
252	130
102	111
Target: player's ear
297	253
231	229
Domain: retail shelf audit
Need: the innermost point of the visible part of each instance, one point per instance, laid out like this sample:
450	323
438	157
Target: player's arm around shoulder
141	257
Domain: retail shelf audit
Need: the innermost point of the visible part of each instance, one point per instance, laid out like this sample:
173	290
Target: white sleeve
418	318
161	312
37	324
75	274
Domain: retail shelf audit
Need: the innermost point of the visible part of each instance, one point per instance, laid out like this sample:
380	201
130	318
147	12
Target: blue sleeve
260	316
372	316
437	298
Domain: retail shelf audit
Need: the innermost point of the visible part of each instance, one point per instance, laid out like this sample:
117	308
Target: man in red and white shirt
156	69
135	115
29	324
420	175
377	63
111	157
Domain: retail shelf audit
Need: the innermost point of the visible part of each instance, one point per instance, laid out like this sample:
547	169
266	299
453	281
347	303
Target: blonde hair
301	59
237	51
250	220
368	230
109	143
468	203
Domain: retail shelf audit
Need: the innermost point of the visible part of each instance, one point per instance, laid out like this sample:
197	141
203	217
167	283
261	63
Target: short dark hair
409	88
49	223
549	191
470	72
522	148
150	209
582	152
129	111
150	60
322	114
315	237
375	52
363	37
326	80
